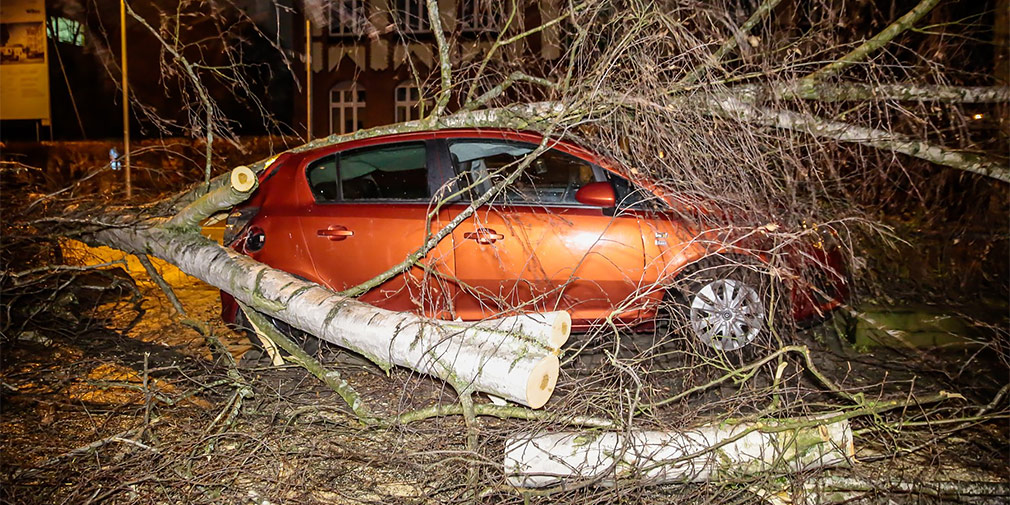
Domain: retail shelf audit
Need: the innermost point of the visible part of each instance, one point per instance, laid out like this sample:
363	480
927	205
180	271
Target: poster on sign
24	69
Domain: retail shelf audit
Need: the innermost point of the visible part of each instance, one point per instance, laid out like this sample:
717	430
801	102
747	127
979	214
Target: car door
534	247
370	212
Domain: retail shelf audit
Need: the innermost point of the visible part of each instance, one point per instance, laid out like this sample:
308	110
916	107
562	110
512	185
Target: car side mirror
597	194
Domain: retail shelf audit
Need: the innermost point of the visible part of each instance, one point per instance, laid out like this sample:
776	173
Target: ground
136	410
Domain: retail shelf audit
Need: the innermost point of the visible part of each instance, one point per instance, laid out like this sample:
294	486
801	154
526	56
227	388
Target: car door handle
335	232
483	236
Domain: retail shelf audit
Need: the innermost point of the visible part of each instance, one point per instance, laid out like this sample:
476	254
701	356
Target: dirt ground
135	410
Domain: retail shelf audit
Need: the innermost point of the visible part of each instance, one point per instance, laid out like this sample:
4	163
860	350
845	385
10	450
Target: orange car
570	232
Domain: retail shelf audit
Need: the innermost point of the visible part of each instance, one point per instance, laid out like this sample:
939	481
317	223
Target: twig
160	282
329	377
501	412
731	42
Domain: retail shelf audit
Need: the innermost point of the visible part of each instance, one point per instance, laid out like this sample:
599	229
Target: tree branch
910	92
876	42
444	63
731	43
846	132
191	72
329	377
496	91
242	182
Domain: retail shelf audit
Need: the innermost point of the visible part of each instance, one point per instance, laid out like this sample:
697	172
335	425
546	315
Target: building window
347	107
477	16
346	17
66	31
412	16
408	102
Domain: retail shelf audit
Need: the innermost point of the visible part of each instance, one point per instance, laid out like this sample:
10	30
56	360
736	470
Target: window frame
477	16
404	16
357	106
357	10
411	108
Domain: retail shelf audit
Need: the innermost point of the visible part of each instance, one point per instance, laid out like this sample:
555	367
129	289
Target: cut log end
542	379
242	179
560	330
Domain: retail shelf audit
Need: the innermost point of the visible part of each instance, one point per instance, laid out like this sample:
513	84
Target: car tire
728	303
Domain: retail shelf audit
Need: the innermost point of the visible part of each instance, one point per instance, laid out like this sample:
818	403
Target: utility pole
308	78
126	97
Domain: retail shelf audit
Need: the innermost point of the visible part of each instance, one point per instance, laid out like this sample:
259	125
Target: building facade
374	62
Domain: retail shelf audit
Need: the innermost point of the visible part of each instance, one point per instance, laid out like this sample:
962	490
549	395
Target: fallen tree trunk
514	358
827	489
707	453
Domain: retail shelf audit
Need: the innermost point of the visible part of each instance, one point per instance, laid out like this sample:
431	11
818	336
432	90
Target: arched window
347	107
407	102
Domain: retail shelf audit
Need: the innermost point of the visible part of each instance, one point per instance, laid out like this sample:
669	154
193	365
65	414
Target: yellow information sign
24	69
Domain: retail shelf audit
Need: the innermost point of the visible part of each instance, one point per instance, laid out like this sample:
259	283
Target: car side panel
547	258
383	236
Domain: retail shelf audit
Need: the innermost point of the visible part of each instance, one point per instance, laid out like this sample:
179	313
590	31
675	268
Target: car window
629	195
387	172
554	177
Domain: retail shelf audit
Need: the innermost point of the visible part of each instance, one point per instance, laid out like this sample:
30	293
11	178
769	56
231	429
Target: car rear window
385	172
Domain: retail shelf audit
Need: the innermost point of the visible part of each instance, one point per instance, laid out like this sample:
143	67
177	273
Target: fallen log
707	453
830	489
514	358
543	330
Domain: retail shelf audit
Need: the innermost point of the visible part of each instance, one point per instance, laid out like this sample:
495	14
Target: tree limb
329	377
907	92
731	43
242	181
846	132
444	63
876	42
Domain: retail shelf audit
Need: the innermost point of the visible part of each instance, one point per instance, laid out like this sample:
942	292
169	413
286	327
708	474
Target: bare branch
242	182
846	132
329	377
444	63
731	43
910	92
876	42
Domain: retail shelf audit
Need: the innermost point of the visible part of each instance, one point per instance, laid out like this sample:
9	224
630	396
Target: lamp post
126	97
308	78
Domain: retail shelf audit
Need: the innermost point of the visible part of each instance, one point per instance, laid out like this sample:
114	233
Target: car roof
451	133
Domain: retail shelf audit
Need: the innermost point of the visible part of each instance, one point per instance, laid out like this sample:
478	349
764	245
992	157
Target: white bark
240	183
904	92
547	330
847	132
482	357
830	489
707	453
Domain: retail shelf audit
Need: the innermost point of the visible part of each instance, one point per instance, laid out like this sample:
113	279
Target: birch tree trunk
707	453
514	358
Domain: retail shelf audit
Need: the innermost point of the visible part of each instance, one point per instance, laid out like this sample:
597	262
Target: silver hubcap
727	314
